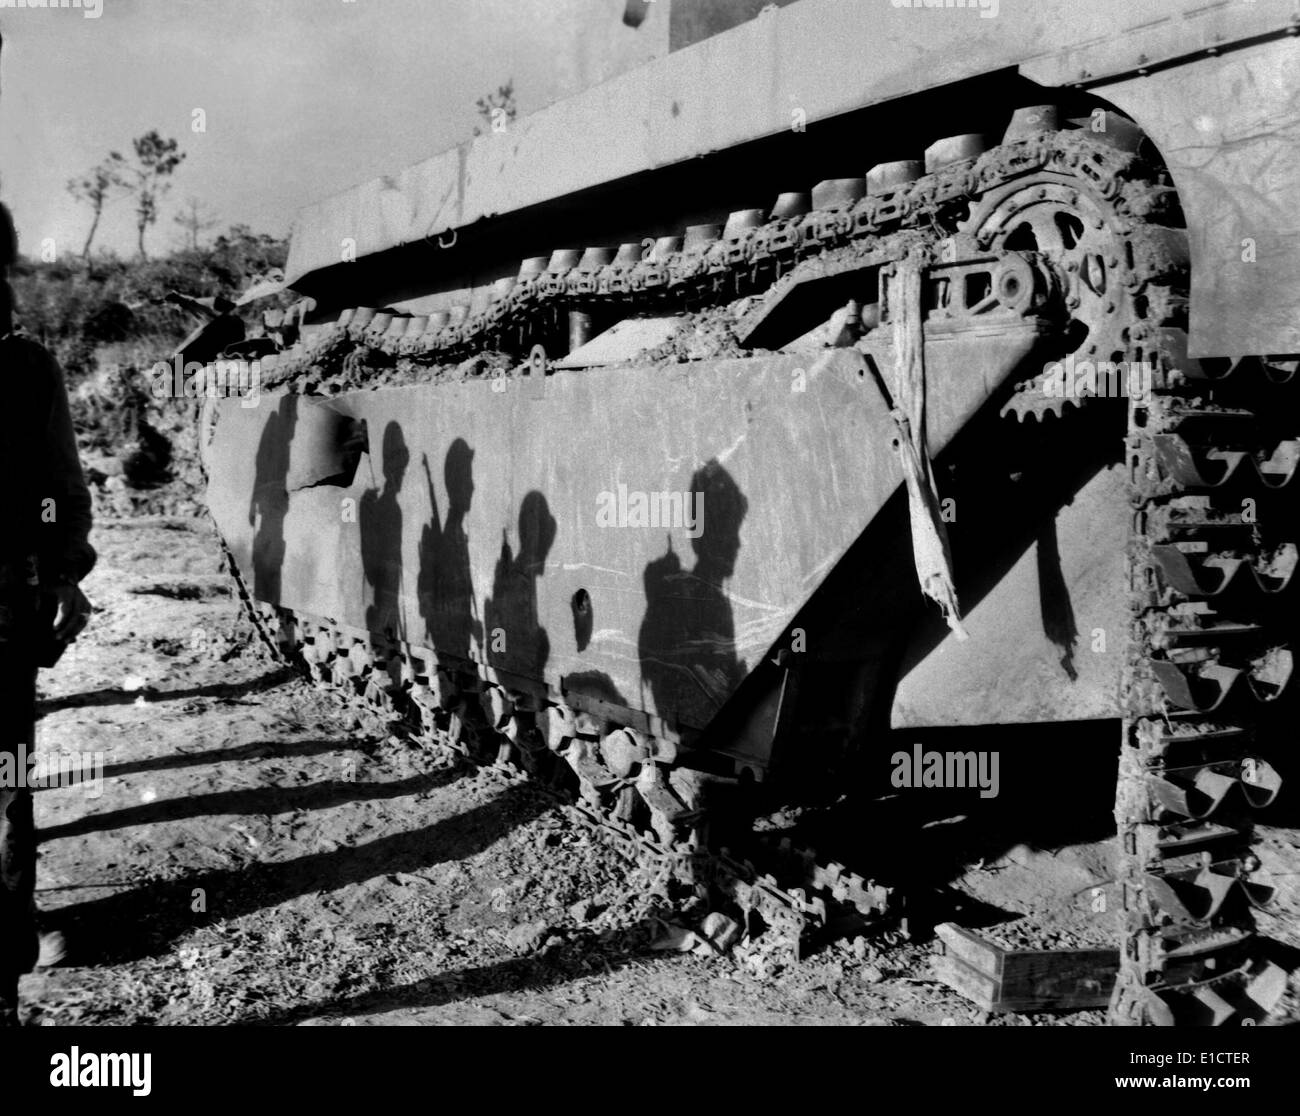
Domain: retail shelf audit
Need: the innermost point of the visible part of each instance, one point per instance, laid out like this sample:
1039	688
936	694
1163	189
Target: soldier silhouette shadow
515	638
380	520
687	640
444	582
270	499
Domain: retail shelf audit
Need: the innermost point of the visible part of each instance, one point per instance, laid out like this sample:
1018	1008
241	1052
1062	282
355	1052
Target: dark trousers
18	940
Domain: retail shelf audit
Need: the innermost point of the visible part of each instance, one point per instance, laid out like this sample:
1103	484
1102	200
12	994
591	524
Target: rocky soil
258	855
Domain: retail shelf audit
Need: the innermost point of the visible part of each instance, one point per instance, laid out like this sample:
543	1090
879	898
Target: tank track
714	266
1204	647
787	896
1213	556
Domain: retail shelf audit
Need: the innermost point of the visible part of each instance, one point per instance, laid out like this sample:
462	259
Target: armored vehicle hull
1000	431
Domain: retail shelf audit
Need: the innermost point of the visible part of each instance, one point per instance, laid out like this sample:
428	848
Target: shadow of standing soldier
515	638
687	642
445	580
430	537
380	520
445	589
270	499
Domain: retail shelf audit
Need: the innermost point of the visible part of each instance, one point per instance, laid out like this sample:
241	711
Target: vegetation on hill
74	307
104	320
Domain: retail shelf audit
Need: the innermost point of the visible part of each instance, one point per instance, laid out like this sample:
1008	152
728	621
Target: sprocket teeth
1031	402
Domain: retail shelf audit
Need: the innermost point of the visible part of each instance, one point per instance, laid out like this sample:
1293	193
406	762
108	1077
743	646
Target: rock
527	936
871	974
674	939
584	910
104	466
721	931
1021	855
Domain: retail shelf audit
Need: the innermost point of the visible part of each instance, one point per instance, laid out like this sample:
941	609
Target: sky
300	98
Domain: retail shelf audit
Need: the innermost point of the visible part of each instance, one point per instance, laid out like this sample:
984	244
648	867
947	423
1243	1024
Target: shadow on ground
548	968
277	677
142	922
263	801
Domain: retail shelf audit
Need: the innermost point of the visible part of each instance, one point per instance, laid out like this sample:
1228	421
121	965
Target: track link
1212	557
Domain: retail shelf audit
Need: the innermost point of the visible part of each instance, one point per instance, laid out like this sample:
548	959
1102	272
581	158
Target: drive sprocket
1085	239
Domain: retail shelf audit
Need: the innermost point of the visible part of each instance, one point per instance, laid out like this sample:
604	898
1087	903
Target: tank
845	376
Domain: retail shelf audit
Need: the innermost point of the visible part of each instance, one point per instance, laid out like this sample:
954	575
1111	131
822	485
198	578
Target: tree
194	221
96	187
156	160
497	109
239	254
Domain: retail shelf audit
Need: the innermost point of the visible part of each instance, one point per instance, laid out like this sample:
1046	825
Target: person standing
44	553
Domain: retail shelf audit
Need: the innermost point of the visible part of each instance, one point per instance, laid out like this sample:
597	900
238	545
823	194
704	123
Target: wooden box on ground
1024	980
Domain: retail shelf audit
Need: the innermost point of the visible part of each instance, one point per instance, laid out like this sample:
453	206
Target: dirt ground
259	855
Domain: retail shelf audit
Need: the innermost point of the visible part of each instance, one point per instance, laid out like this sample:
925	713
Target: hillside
105	321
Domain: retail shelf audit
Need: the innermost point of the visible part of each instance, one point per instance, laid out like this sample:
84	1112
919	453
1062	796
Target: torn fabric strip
929	537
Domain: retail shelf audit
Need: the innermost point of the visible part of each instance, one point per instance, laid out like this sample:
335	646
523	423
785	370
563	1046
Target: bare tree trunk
140	227
85	252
